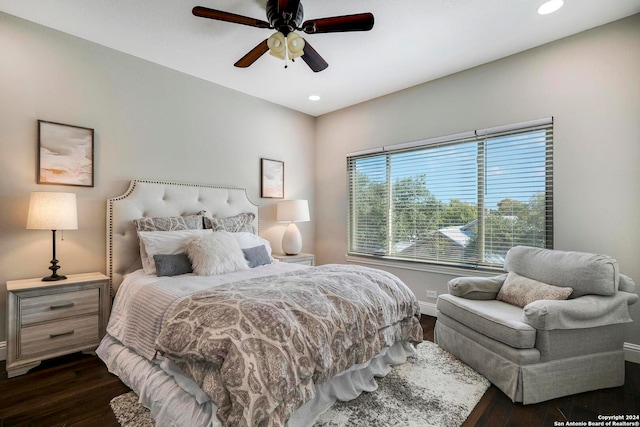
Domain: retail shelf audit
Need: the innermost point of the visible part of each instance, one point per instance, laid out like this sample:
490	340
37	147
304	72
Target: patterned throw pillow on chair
519	291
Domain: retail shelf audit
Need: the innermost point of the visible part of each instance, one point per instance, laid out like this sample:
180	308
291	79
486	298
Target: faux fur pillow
520	291
215	253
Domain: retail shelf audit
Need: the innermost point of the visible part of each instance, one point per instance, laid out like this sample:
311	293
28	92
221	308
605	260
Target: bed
207	339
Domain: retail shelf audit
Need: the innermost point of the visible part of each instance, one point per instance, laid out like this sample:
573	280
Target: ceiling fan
285	16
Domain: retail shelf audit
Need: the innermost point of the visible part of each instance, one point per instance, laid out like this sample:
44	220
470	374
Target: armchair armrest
626	284
588	311
478	288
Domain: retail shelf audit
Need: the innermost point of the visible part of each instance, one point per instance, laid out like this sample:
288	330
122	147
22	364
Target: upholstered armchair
552	326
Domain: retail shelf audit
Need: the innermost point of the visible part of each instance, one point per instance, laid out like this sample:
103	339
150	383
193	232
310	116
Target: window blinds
462	200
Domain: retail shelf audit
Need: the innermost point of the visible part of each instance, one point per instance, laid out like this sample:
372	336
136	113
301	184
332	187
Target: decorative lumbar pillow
169	223
172	265
257	256
250	240
520	291
165	243
233	224
215	253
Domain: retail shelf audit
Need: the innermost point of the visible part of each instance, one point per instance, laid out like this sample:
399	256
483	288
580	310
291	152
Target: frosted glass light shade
52	211
293	210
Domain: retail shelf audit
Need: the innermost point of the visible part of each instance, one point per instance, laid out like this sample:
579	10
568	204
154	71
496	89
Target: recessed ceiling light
550	7
314	97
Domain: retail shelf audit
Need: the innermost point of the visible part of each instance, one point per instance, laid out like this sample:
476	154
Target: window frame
480	137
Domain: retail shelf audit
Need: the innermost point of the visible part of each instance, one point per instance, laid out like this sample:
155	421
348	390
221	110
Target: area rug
433	388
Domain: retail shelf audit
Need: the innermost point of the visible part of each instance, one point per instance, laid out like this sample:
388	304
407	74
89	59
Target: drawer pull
63	305
61	334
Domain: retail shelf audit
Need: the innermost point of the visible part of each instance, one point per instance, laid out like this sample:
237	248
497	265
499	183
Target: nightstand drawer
56	306
49	337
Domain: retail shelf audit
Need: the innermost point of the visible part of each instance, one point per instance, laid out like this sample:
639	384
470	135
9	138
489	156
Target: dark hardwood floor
75	390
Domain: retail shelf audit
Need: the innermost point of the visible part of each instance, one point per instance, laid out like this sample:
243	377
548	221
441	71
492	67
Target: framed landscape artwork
65	154
272	179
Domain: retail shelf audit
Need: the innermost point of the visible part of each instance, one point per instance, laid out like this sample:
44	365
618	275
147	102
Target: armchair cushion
495	319
478	288
589	311
520	291
584	272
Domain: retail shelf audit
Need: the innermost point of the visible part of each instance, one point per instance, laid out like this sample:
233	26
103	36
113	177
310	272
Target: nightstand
306	259
50	319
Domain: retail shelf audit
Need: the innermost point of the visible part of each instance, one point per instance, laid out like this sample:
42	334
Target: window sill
422	266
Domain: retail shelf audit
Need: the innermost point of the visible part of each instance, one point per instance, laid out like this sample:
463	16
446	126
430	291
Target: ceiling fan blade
336	24
313	58
205	12
253	55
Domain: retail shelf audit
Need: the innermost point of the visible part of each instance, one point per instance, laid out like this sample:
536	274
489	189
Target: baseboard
3	350
428	308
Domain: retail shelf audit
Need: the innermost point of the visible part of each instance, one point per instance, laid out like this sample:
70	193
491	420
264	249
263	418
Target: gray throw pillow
257	256
172	265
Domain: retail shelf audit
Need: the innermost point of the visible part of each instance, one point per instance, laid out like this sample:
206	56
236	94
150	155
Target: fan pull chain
286	53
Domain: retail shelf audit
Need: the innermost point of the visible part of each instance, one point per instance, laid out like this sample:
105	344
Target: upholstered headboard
161	199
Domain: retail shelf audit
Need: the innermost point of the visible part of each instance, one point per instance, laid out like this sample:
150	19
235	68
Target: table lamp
52	211
292	211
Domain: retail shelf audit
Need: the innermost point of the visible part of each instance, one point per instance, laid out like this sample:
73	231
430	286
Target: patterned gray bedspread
257	347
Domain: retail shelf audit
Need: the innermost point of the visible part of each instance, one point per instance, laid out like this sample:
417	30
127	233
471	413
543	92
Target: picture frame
271	179
65	154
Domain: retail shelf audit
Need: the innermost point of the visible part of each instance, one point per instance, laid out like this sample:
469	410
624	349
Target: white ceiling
412	42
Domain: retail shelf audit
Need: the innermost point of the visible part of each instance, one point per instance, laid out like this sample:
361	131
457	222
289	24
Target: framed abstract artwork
272	179
65	154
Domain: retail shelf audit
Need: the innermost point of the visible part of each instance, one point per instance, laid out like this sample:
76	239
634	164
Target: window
462	200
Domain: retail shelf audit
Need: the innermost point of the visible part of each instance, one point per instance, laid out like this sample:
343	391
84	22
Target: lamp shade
52	211
293	211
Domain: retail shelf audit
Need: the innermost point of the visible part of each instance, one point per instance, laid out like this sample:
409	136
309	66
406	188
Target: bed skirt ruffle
175	400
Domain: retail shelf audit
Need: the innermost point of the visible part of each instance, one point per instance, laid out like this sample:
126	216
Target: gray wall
590	84
150	123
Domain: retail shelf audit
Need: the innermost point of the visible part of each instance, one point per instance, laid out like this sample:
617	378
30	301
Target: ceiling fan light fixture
295	43
550	7
277	45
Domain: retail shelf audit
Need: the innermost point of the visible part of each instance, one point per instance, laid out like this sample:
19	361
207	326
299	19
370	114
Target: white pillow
215	253
163	243
250	240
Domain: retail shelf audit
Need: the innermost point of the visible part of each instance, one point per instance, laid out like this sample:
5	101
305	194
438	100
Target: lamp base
54	268
53	278
292	240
